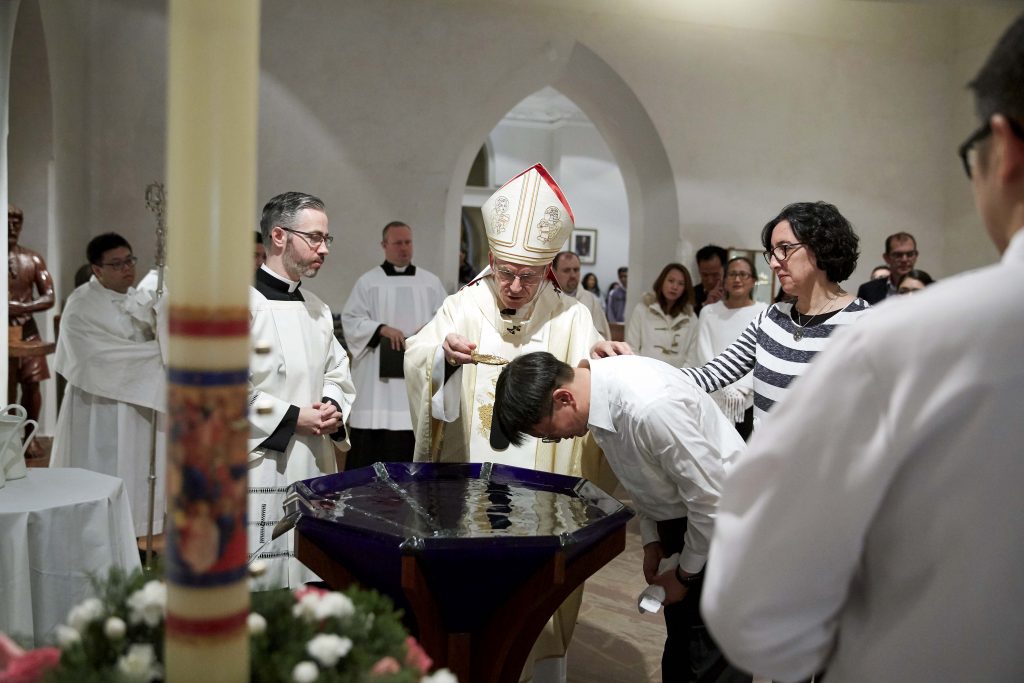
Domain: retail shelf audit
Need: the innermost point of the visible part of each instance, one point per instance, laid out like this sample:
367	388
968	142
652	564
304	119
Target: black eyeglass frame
980	134
313	239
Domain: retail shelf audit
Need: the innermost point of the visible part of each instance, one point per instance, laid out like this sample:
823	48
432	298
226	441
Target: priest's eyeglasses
121	265
781	252
965	149
313	239
507	277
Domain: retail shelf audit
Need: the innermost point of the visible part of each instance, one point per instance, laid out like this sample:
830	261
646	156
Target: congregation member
811	248
301	389
388	303
880	272
663	324
914	281
511	308
590	284
616	304
873	530
29	291
901	258
668	443
116	380
720	325
711	269
566	268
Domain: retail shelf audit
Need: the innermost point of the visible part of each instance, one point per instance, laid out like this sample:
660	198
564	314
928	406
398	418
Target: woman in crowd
590	284
721	323
914	281
663	325
811	247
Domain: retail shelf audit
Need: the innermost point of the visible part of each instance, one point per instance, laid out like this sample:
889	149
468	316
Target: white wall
380	105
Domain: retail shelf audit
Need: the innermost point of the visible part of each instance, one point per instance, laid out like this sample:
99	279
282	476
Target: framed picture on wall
584	243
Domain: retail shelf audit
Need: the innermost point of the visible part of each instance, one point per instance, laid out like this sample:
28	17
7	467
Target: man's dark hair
685	299
283	209
559	256
101	244
712	251
828	235
623	269
259	237
920	275
997	87
522	396
898	237
392	224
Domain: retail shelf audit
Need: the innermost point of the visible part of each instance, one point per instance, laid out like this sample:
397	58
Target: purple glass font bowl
478	531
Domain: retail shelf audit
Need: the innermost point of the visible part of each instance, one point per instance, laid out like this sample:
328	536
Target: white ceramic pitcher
12	455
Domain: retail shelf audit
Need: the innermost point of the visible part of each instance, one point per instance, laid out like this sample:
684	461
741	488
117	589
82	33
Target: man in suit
901	257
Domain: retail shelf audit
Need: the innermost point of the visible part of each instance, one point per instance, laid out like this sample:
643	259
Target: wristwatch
687	579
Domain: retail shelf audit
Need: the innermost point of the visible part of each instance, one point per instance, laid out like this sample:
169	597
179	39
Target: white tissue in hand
652	598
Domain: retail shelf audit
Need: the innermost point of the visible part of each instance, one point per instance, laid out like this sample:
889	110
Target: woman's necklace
802	322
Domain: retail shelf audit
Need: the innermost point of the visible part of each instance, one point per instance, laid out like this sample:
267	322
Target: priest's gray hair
283	210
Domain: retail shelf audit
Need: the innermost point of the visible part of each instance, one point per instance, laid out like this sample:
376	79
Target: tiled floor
613	643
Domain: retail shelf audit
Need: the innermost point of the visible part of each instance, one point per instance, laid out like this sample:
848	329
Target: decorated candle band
207	453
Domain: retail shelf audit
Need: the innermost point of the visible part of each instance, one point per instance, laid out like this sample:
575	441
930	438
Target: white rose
334	605
257	624
148	604
84	614
67	636
139	664
328	648
306	608
305	672
114	628
441	676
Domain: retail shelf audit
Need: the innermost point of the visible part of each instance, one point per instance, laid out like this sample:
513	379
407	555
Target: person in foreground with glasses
301	389
811	248
108	352
511	308
901	258
874	526
721	323
670	446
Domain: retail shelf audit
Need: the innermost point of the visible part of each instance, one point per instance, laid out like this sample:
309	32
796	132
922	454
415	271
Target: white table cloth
58	527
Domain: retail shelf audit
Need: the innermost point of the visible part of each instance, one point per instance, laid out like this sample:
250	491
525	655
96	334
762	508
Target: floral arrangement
303	636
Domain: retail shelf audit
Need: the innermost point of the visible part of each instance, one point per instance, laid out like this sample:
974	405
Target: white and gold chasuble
457	415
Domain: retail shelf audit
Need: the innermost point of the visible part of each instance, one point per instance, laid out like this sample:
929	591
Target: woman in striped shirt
811	247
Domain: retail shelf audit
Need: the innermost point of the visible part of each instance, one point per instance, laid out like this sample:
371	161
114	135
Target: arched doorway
623	124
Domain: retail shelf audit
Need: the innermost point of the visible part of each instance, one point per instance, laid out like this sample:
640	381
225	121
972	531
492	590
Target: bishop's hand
457	349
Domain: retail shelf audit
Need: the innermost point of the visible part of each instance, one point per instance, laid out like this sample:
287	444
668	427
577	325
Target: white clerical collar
292	285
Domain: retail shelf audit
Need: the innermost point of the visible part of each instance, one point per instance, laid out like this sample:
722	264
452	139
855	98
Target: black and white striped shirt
769	346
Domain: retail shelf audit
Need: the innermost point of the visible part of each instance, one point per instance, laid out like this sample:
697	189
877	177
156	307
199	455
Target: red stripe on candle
183	626
209	328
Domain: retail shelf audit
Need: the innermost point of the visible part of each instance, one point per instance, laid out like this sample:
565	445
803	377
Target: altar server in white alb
874	528
301	389
511	308
388	304
117	385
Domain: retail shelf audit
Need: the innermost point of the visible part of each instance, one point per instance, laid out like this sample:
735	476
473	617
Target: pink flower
416	657
300	593
30	666
385	666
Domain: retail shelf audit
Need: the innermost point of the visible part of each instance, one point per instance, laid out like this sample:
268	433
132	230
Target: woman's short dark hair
825	231
522	396
686	299
753	270
921	276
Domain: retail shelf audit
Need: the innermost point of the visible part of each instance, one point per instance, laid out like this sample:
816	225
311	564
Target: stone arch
620	118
